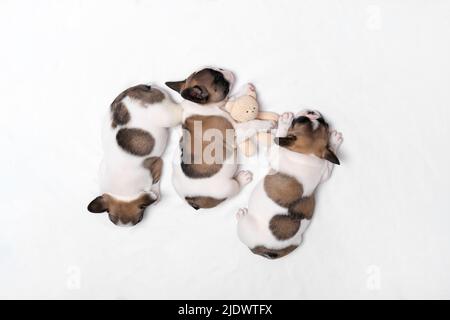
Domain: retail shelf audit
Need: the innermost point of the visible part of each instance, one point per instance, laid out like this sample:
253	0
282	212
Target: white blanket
378	70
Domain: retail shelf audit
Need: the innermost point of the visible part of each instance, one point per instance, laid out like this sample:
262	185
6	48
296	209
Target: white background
378	70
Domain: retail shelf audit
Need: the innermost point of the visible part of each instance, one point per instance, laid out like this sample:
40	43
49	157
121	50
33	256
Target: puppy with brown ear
134	136
207	173
282	204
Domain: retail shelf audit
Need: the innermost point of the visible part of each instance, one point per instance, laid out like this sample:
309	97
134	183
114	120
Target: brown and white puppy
134	136
282	204
207	173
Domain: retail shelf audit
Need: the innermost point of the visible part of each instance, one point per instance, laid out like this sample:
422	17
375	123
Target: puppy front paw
273	124
244	177
241	213
336	139
285	119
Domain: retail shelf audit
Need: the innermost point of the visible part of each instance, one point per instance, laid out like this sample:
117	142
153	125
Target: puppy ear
197	94
330	156
145	200
285	141
176	85
98	205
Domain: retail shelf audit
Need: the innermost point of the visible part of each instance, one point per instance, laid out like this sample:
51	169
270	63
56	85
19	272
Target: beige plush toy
244	108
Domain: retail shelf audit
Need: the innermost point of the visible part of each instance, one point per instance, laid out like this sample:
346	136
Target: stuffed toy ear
330	156
197	94
176	85
285	141
98	205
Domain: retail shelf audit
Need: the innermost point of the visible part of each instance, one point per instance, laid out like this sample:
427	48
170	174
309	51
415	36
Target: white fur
225	183
309	170
227	74
122	174
219	186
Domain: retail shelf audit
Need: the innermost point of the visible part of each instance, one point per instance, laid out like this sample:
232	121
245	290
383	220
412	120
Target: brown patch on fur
273	253
284	227
120	115
204	86
303	208
121	211
282	189
302	138
287	192
198	163
143	93
203	202
146	94
154	165
135	141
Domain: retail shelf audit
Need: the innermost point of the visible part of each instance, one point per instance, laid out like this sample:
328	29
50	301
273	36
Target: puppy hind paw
241	213
244	177
154	195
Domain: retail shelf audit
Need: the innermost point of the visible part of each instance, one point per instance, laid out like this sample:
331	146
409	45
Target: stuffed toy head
245	107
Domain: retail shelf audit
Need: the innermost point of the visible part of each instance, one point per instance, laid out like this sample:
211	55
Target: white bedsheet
378	70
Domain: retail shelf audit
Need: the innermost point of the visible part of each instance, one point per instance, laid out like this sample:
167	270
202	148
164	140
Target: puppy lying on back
282	204
134	136
206	174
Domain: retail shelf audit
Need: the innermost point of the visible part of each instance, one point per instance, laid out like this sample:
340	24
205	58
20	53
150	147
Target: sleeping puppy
206	175
282	204
134	136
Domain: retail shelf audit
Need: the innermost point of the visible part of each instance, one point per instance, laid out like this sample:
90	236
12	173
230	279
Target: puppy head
309	134
205	86
122	212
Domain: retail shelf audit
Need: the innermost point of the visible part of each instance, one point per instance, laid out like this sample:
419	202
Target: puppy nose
311	112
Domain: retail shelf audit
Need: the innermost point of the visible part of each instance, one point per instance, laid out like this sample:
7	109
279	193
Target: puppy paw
251	87
336	139
244	177
285	119
241	213
266	125
153	195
